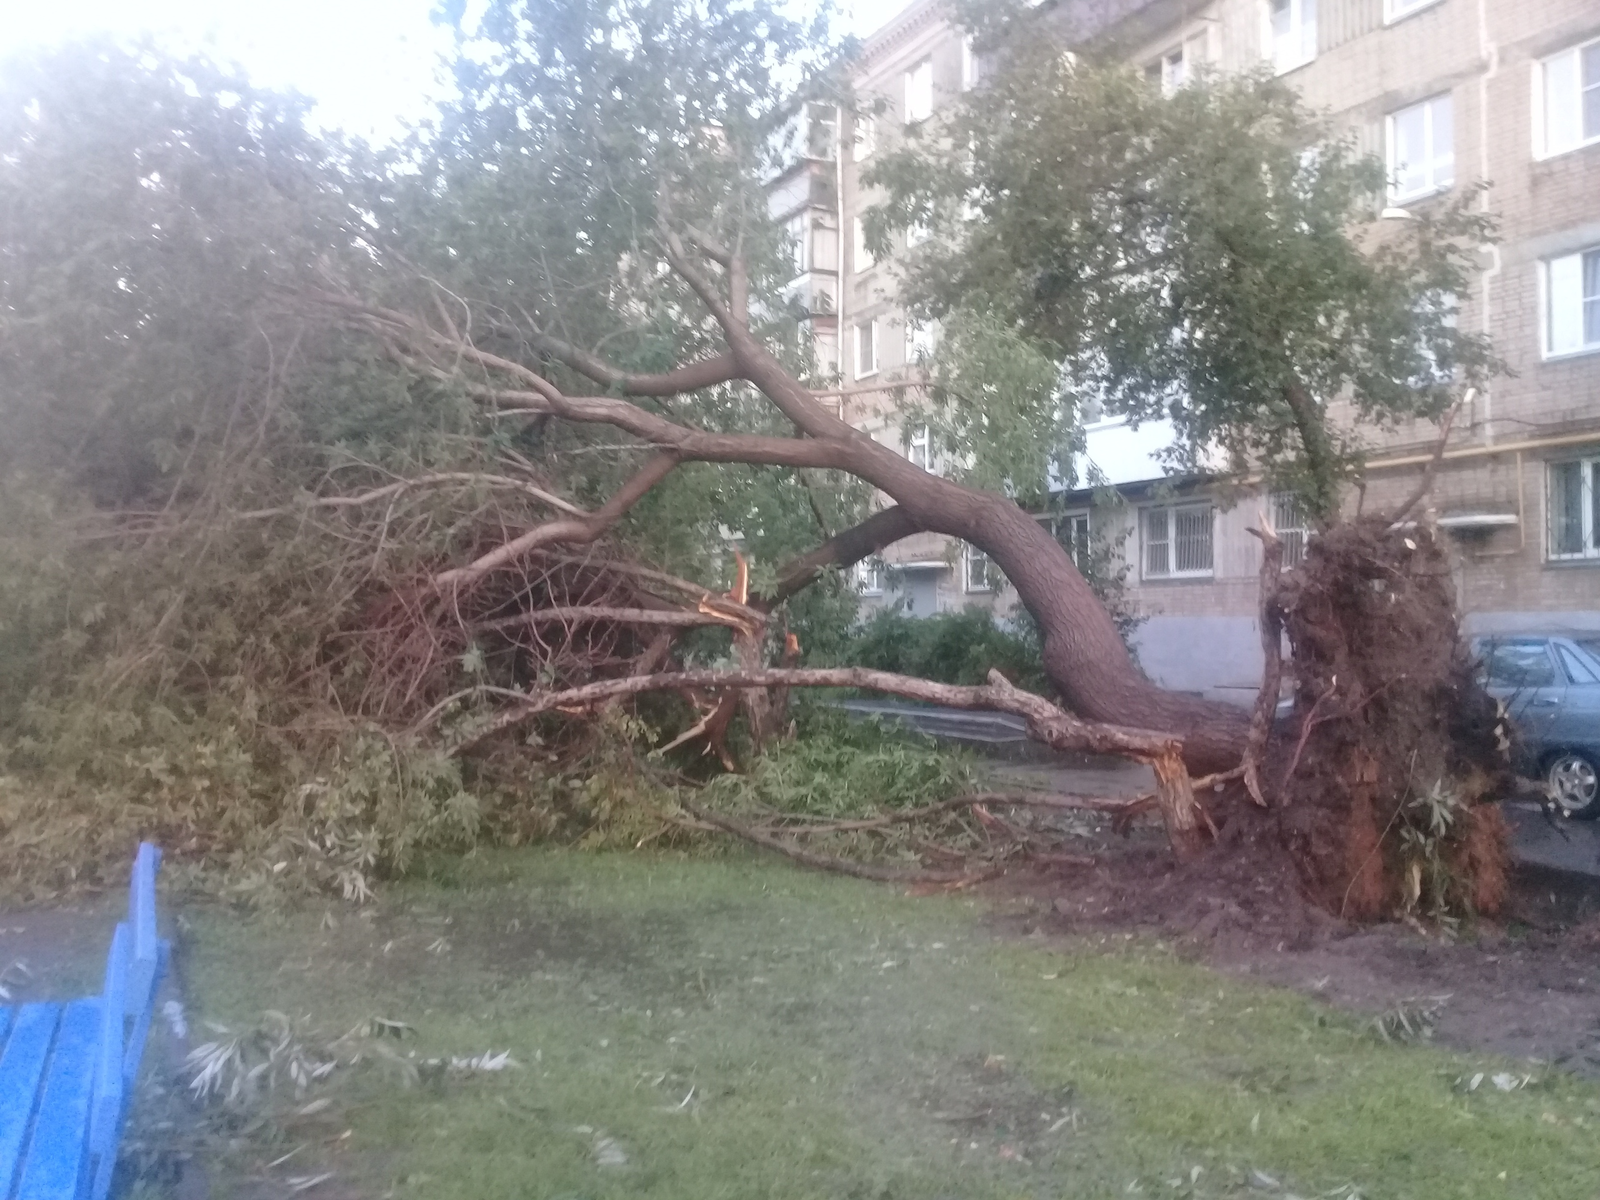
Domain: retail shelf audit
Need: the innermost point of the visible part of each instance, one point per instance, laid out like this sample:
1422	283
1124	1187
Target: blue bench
66	1070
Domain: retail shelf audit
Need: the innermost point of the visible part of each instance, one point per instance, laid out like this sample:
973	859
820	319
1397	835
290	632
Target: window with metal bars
1290	523
1177	541
979	574
1574	508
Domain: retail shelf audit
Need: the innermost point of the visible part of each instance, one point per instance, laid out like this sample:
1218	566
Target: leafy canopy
1212	256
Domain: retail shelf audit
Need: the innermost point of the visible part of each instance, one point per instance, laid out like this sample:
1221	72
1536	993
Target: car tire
1573	779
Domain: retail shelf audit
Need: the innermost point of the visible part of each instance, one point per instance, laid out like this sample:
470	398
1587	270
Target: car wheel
1574	783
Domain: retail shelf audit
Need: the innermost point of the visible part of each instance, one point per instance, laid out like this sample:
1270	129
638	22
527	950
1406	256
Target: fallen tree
585	359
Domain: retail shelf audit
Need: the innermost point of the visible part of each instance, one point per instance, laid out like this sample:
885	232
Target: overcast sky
370	64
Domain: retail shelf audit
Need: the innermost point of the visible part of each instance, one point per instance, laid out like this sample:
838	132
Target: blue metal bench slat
21	1067
58	1153
66	1072
105	1119
146	947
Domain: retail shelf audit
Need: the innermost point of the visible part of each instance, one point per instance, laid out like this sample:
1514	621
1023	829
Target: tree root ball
1393	755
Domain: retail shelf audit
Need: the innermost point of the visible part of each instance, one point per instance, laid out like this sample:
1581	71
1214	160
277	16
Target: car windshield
1591	644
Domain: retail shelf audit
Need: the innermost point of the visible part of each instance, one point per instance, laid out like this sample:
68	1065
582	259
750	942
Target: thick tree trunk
1083	653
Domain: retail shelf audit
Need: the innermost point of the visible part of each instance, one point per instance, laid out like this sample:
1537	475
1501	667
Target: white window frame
1171	512
865	140
1289	523
971	66
921	343
869	576
919	448
1070	523
825	117
799	230
1436	179
1399	10
974	559
919	92
867	330
1563	272
861	258
1302	36
1589	475
1542	147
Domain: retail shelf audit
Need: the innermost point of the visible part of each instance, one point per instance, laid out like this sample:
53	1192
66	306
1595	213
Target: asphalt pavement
1552	843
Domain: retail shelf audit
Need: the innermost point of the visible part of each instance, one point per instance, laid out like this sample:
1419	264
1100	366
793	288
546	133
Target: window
1578	669
971	66
821	130
1290	524
1574	506
1567	108
1168	72
921	342
869	577
1291	33
1393	10
1522	664
1073	533
1177	541
1421	149
1572	303
797	243
866	349
919	448
862	259
919	92
866	139
977	574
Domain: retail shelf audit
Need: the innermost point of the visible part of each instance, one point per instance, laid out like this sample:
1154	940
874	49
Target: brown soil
1526	984
1390	731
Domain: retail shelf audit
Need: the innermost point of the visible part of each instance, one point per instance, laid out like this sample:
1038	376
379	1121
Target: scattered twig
825	862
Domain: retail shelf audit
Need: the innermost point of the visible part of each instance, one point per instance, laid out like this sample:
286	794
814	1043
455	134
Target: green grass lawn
736	1028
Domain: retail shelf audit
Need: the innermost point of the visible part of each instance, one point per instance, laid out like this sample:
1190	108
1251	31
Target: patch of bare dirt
1525	984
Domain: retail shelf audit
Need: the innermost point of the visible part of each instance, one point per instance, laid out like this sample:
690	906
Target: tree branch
843	549
404	485
586	528
687	443
680	618
1425	484
1046	722
691	377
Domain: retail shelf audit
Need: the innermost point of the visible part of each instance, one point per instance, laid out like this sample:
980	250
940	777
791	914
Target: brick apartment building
1449	92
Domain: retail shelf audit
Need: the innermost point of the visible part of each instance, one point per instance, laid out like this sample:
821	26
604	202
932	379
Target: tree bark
1046	722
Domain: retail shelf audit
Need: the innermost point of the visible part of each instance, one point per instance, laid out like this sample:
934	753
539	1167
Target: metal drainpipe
1491	55
840	339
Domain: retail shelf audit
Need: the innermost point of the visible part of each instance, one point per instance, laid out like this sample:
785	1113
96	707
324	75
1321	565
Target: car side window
1521	665
1577	669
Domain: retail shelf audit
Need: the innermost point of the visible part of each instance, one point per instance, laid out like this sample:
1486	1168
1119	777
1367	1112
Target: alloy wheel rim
1574	782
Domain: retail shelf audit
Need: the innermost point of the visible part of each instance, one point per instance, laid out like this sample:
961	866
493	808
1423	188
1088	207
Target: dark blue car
1550	684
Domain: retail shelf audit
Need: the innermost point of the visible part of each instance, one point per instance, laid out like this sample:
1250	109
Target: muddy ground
1525	984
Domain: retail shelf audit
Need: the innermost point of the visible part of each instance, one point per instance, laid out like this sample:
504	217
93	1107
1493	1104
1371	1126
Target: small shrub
959	648
841	768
